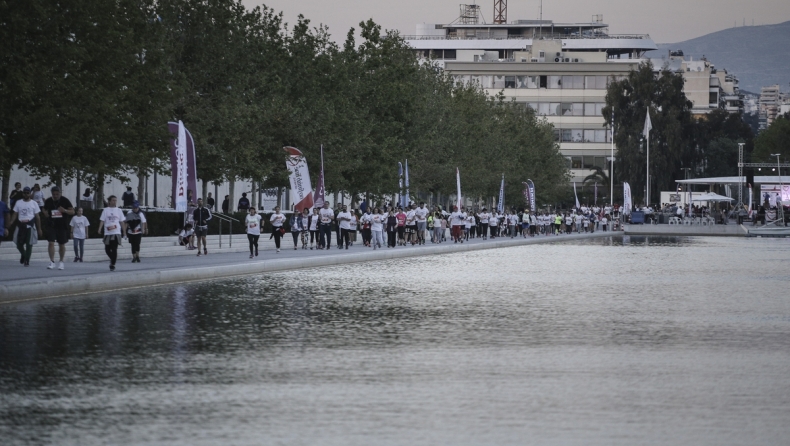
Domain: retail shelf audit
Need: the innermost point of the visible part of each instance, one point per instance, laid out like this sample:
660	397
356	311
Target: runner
376	228
253	225
79	232
456	224
568	223
469	224
344	221
411	226
295	223
422	217
278	219
392	228
113	223
57	210
327	216
201	216
401	217
306	232
136	226
313	225
353	225
366	221
484	217
26	215
493	223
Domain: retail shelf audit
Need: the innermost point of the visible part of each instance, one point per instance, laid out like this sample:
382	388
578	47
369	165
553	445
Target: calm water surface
609	341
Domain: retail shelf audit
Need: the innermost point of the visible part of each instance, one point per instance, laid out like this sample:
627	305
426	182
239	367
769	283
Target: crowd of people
391	226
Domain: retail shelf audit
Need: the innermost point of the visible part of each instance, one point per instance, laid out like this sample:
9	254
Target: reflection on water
606	341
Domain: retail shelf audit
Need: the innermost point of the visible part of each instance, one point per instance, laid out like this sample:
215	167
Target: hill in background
758	55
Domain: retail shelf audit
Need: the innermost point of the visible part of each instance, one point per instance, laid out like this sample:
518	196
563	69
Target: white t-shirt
80	225
26	210
411	216
493	220
469	221
484	218
305	222
353	223
344	224
186	233
457	218
314	223
112	218
277	220
604	221
377	222
326	215
421	213
253	223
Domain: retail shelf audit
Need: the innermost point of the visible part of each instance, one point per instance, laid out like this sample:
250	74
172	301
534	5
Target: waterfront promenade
18	283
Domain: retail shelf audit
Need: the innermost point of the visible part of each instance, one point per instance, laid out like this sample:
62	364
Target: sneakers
76	259
205	251
112	267
250	255
51	265
61	266
22	260
278	249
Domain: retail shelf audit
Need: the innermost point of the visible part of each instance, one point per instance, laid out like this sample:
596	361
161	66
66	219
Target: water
607	341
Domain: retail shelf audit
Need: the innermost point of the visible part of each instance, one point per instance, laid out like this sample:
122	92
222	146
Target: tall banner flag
596	194
458	184
627	203
750	200
501	206
183	165
646	133
531	187
691	204
577	197
318	197
301	190
408	197
400	184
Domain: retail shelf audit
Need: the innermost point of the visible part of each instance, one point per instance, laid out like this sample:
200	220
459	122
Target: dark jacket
201	216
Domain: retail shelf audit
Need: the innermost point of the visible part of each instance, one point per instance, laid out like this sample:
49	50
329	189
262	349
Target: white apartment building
561	70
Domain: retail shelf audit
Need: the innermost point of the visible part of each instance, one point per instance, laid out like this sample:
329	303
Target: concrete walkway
19	283
733	230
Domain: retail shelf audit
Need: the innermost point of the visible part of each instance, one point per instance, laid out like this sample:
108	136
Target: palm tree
598	176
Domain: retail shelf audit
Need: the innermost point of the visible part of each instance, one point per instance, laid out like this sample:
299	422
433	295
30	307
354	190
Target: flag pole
611	169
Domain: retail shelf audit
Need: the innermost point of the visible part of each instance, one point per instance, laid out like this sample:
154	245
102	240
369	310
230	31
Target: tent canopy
758	179
710	196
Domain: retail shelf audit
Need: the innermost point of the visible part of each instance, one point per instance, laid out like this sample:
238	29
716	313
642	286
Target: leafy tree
774	139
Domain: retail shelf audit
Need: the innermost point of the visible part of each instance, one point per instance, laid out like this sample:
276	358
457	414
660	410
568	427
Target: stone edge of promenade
25	290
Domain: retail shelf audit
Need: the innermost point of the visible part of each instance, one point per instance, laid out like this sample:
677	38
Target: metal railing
545	36
230	220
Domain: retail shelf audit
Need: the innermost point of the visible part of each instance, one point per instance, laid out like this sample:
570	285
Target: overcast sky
667	21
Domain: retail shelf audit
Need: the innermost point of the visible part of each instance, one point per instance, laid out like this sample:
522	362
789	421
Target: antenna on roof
500	12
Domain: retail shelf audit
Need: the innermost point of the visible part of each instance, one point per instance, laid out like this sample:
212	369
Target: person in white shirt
253	225
344	220
313	225
604	222
113	223
186	237
469	223
353	225
278	220
28	220
525	224
411	226
456	223
512	224
421	214
79	232
484	216
377	221
327	216
305	227
493	224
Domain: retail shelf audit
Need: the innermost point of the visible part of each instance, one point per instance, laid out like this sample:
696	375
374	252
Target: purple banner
191	165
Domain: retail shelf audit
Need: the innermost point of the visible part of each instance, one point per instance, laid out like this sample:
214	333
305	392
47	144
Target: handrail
230	220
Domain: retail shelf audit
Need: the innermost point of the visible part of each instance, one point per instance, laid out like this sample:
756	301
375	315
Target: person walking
226	204
128	197
344	221
313	226
201	216
392	228
86	199
113	224
209	202
136	226
401	217
422	219
365	222
277	219
15	195
79	233
327	216
253	224
57	211
295	223
376	227
37	195
305	234
438	226
4	216
26	215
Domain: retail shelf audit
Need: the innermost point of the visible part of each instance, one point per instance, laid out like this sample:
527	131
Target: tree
774	139
671	144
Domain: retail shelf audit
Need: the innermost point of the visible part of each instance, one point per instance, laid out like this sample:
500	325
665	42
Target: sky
667	21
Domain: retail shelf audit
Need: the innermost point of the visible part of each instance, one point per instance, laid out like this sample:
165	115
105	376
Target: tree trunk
254	198
334	200
231	190
6	184
204	192
98	197
141	180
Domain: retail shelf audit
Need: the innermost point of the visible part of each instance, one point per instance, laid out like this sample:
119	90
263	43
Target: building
560	70
769	105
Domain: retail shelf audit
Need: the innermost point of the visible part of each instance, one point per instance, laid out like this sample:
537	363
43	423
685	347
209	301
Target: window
463	79
600	136
601	82
599	108
714	98
533	106
589	135
510	81
527	81
499	82
589	82
543	108
577	135
578	109
555	82
576	162
486	81
567	135
566	109
589	109
599	161
543	79
578	82
449	54
554	109
556	135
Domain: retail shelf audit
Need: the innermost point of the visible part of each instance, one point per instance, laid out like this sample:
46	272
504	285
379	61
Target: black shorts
58	235
201	231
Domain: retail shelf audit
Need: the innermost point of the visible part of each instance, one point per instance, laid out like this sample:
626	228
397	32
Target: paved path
19	283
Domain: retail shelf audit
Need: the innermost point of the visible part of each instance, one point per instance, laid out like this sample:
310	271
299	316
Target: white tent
710	196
